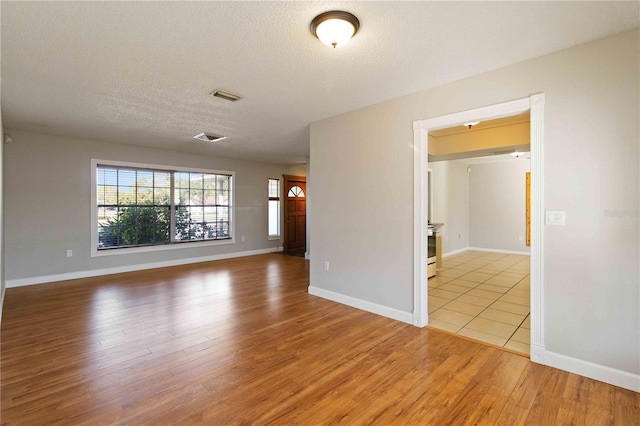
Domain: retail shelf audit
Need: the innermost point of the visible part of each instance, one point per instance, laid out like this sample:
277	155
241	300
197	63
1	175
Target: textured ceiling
141	72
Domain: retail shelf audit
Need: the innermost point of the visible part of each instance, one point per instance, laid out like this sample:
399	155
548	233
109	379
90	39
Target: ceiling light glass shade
335	32
335	28
473	123
518	154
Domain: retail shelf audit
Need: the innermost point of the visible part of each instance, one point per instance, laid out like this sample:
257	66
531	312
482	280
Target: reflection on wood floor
241	341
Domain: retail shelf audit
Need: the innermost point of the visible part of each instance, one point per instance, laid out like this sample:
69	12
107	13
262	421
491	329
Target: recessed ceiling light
209	137
228	96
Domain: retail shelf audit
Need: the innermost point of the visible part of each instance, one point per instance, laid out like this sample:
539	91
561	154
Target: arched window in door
295	192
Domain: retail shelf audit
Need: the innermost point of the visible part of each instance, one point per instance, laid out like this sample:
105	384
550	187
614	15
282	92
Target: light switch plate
554	217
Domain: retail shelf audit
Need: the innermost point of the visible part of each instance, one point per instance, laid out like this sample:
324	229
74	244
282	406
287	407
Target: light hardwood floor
241	341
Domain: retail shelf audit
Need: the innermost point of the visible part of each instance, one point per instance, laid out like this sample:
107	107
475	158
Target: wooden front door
295	212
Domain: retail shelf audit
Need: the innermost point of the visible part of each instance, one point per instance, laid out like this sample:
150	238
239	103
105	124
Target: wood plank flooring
240	341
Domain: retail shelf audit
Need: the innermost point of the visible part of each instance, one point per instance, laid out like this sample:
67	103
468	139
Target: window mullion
172	209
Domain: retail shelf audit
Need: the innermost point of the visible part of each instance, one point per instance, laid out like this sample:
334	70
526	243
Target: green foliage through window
149	207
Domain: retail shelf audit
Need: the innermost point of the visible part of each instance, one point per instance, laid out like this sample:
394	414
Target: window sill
130	250
274	237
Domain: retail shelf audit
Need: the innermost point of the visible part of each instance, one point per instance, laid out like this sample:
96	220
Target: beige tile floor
484	296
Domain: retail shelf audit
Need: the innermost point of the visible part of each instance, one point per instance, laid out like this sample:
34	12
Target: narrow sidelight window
274	208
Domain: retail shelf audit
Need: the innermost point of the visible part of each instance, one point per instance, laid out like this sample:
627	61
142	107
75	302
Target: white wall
308	212
2	280
451	203
48	205
362	218
497	205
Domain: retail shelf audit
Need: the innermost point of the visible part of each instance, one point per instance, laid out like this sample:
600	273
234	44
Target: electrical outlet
326	265
241	238
69	253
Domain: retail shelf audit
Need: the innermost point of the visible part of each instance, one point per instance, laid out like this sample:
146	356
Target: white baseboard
490	250
131	268
538	354
364	305
598	372
452	252
584	368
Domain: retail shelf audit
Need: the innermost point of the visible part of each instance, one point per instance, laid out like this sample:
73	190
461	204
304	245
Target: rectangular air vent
225	95
209	137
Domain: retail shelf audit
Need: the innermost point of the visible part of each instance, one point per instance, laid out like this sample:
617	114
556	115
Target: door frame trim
285	215
535	105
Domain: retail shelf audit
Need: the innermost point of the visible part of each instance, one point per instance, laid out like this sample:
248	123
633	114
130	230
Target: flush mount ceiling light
335	28
473	123
209	137
518	154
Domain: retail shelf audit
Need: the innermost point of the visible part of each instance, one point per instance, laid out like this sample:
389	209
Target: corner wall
47	189
362	219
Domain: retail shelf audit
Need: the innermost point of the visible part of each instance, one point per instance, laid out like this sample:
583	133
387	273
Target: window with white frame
274	208
139	206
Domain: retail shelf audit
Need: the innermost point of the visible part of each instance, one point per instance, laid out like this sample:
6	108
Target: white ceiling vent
209	137
227	96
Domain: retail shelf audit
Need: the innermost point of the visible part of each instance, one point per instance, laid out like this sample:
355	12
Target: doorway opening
477	203
535	106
